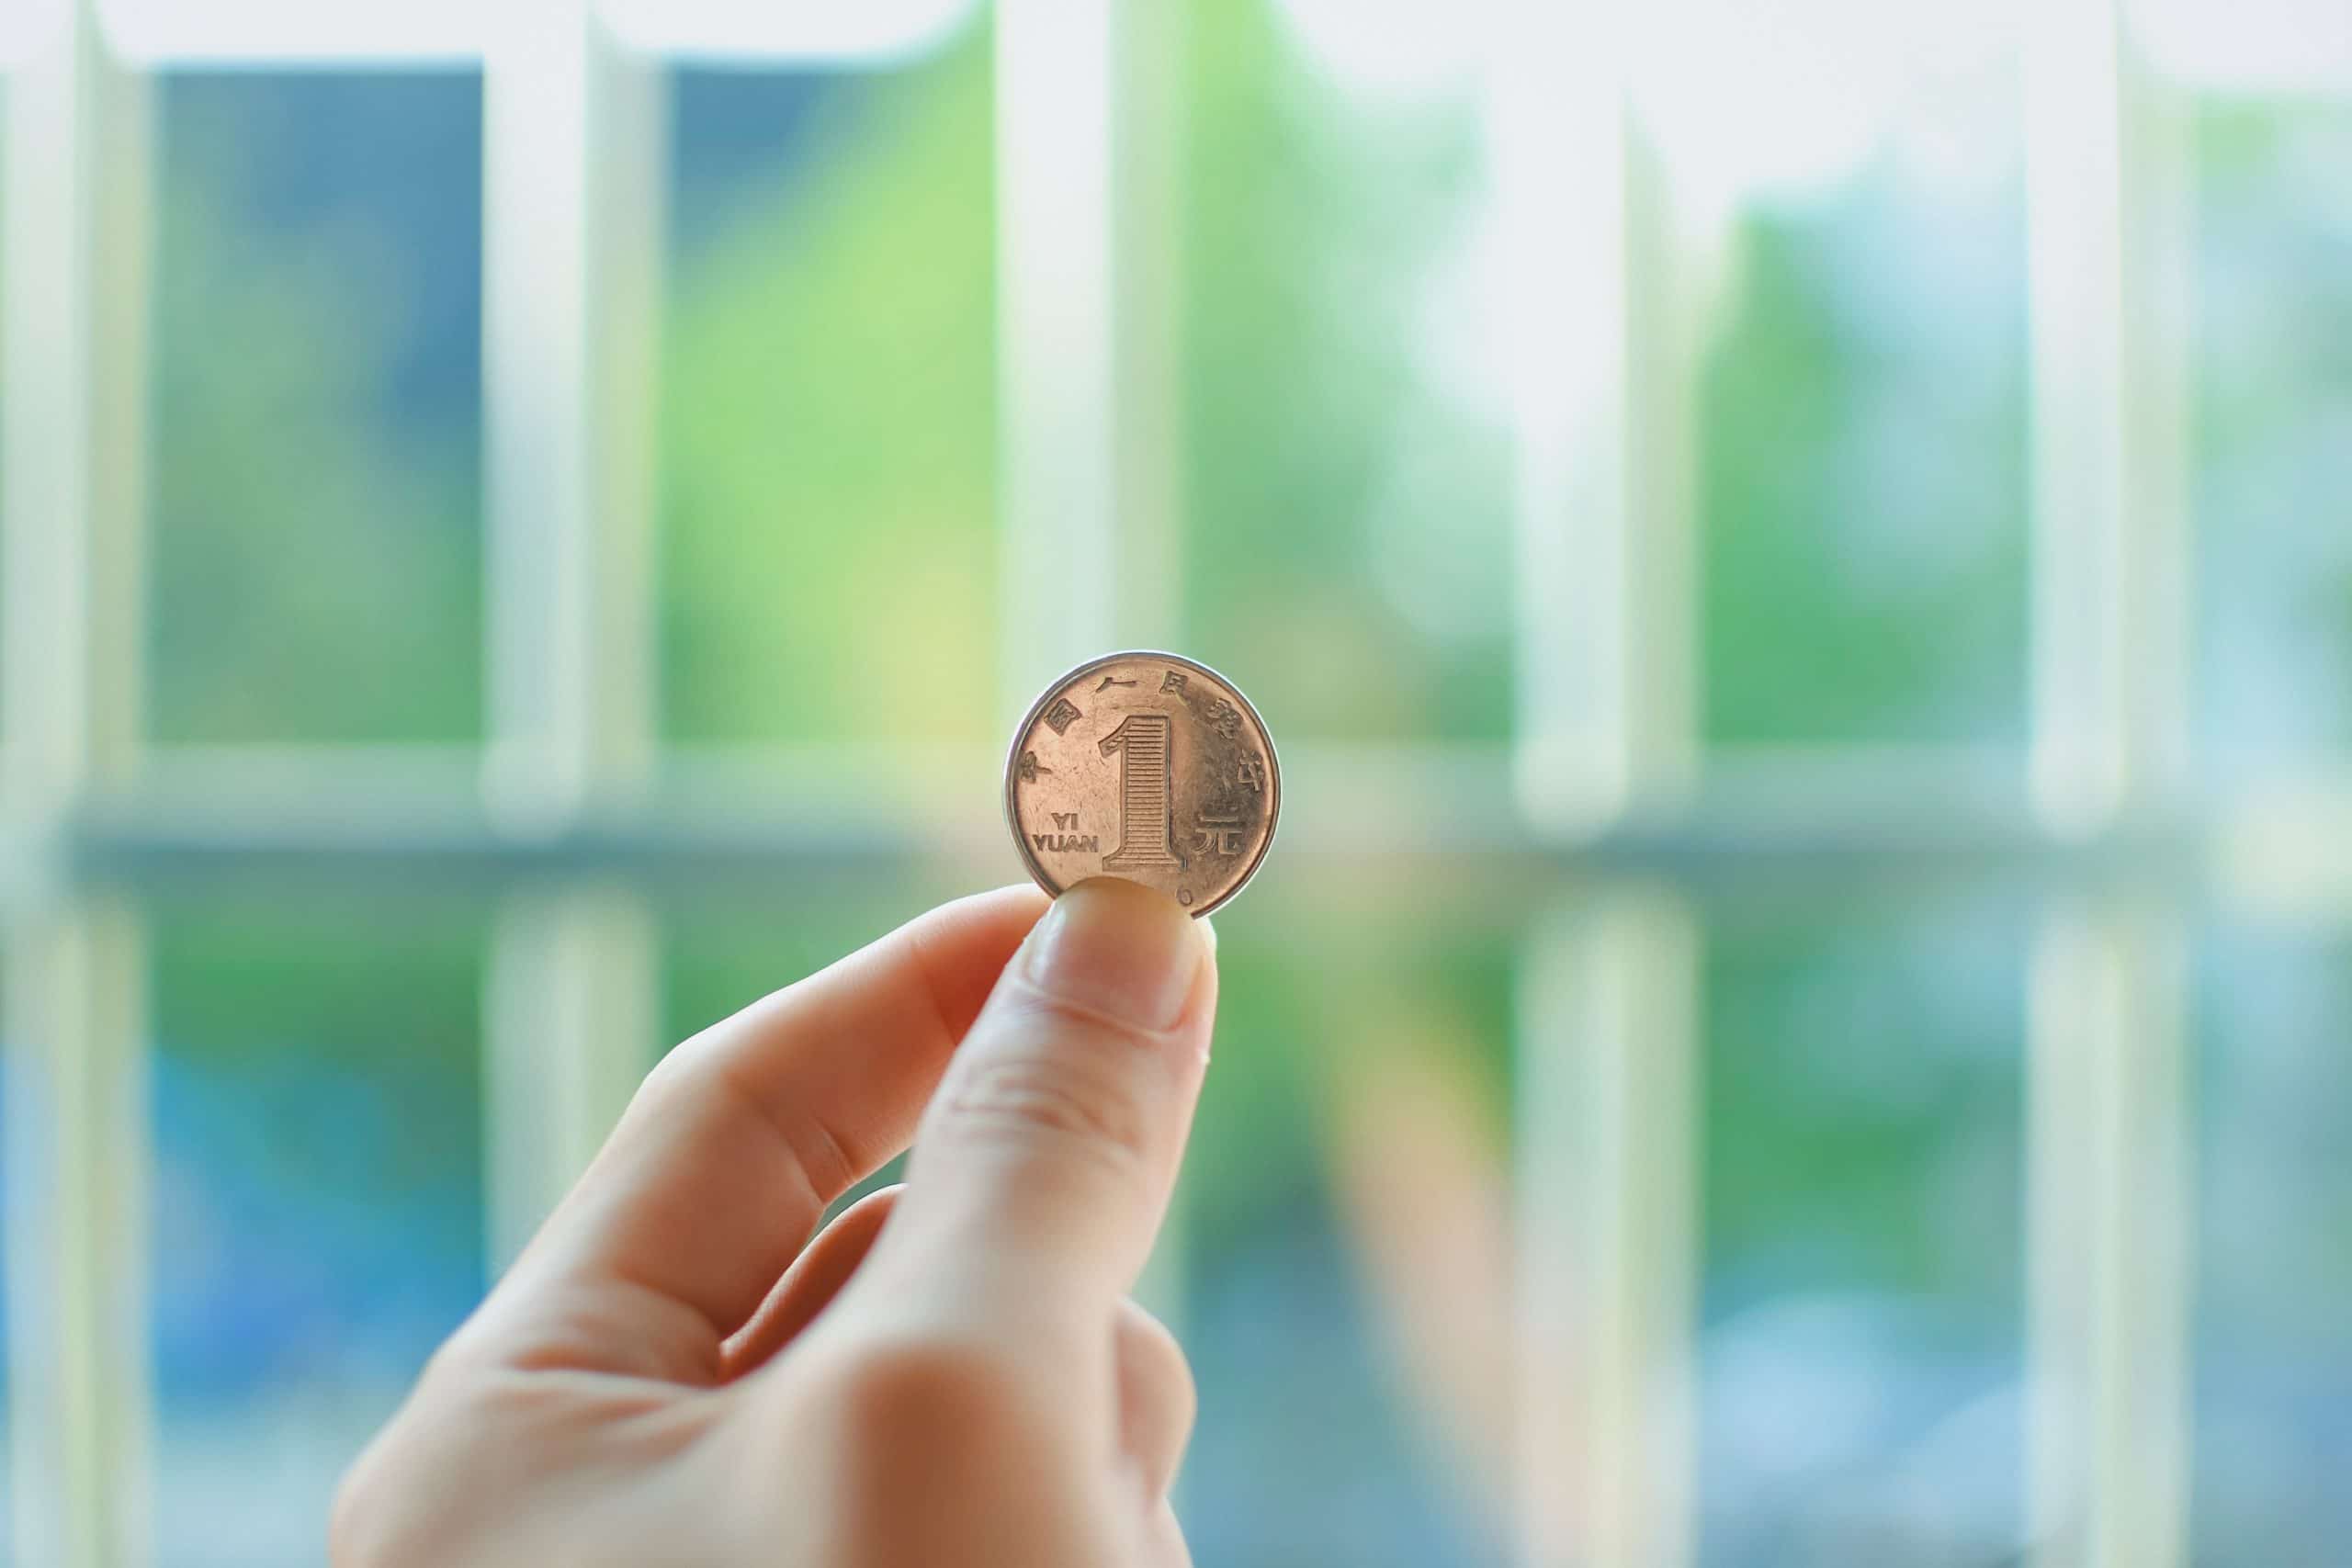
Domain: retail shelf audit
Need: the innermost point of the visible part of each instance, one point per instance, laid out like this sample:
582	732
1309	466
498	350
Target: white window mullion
1056	324
1089	119
1598	323
1088	115
73	459
1599	319
1149	76
573	167
2109	1239
2110	1194
2106	191
1605	1176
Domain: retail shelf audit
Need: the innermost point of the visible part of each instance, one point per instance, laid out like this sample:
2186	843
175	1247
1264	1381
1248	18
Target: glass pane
1346	1224
1864	1160
2273	1226
317	1199
2273	378
316	557
1347	548
828	467
1862	420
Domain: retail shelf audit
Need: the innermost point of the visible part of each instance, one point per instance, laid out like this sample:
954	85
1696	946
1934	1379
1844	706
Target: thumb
1043	1167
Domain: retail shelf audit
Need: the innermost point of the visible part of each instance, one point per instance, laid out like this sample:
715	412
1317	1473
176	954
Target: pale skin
952	1373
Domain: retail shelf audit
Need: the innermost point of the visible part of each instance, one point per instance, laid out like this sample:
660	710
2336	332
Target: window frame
573	810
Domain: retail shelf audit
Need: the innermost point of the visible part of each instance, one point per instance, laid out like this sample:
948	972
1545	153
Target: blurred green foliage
827	492
1823	618
827	525
1347	540
1862	1097
316	562
827	474
828	432
827	495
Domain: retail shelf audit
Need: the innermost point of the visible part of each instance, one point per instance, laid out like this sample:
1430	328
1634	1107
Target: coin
1147	766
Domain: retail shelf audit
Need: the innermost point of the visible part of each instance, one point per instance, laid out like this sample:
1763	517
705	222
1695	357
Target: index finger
737	1141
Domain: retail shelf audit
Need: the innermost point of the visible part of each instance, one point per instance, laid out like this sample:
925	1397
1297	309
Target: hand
951	1373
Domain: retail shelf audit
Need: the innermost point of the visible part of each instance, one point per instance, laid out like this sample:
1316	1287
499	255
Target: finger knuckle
680	1074
1156	1367
1181	1390
374	1520
1067	1102
1187	1395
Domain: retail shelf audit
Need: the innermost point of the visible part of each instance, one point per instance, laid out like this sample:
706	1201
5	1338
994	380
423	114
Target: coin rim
1273	768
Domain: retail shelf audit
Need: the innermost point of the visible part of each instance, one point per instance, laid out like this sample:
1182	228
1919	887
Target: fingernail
1121	947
